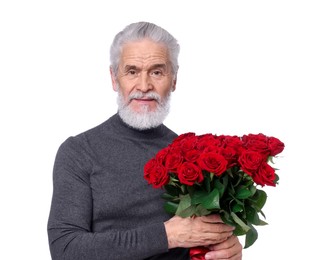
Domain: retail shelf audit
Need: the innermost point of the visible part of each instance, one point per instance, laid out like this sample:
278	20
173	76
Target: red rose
234	142
173	160
211	148
275	146
181	137
155	173
265	175
250	161
231	155
161	155
188	143
257	143
213	162
191	155
189	173
208	142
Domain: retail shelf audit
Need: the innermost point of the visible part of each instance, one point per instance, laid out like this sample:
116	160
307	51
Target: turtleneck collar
120	125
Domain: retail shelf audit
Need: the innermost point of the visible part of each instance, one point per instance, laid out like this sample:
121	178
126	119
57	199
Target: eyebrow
130	67
161	65
154	66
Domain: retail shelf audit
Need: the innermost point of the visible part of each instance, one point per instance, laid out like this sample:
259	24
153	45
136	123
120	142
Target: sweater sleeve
70	220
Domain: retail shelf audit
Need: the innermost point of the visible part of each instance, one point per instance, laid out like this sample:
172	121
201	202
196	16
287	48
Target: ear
113	79
174	84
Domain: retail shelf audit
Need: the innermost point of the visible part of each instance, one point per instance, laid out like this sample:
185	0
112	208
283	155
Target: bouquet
206	174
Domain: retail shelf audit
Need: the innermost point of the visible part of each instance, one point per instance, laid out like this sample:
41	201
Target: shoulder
82	139
170	134
81	146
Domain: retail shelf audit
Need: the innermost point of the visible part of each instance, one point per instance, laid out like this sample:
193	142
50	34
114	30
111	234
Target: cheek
123	89
165	93
165	88
124	95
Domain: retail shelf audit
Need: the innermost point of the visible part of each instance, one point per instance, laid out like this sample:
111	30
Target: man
102	208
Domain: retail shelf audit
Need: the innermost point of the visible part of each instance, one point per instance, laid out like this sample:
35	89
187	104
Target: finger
230	249
230	242
213	218
217	228
222	255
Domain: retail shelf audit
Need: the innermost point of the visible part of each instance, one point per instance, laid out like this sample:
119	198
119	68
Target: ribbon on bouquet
198	253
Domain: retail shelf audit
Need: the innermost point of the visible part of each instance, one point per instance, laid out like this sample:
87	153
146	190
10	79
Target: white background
245	67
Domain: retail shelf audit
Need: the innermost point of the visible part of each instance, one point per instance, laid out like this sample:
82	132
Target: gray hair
139	31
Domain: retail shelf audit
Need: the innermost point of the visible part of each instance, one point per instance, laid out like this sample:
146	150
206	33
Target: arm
70	225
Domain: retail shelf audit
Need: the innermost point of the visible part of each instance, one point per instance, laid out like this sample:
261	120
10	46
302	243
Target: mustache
150	95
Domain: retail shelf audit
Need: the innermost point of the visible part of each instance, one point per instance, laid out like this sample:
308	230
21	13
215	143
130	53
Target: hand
196	231
229	249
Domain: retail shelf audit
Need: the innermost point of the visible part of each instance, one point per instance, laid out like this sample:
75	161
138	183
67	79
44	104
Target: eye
132	72
156	73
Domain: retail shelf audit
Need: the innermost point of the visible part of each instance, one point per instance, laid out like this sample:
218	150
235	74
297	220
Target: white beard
145	118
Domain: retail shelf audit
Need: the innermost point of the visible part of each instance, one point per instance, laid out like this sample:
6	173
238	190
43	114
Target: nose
144	83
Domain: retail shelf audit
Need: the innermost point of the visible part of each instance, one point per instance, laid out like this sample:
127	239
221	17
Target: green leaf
213	200
183	189
251	237
244	227
167	196
225	179
219	186
201	211
270	159
174	177
172	190
259	199
208	200
253	189
231	189
188	212
170	207
252	215
262	223
276	178
191	190
238	179
262	213
239	202
235	169
237	208
243	193
227	218
239	231
207	182
199	197
185	202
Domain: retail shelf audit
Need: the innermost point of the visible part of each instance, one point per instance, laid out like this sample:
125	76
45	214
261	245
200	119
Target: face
144	69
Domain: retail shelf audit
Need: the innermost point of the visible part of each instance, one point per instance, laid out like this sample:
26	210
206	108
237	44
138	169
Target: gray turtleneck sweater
102	208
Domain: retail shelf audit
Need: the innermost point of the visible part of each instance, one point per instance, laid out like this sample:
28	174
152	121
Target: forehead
144	53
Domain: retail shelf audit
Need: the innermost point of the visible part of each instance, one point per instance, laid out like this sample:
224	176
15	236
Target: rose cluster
211	174
190	155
